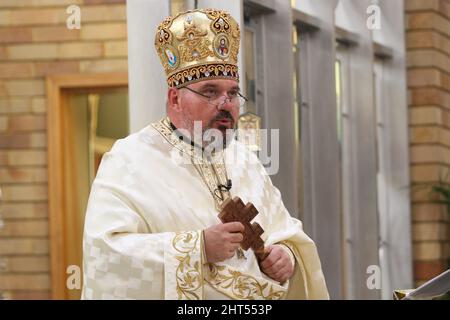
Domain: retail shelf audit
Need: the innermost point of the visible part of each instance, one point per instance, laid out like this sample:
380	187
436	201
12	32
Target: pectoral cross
234	210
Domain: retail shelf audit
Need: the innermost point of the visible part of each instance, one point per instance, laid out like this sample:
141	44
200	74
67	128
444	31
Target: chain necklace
213	177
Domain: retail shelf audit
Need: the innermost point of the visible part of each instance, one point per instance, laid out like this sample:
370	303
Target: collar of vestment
183	138
212	169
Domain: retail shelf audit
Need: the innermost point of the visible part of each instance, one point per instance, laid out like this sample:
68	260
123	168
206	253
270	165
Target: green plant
443	190
439	193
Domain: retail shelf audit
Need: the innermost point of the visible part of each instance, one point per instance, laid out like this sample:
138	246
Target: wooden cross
234	210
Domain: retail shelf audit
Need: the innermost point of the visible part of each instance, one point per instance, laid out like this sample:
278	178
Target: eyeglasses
214	97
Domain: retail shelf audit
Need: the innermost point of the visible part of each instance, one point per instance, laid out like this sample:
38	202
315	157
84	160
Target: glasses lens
242	101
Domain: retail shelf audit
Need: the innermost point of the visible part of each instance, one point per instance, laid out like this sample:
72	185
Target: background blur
359	89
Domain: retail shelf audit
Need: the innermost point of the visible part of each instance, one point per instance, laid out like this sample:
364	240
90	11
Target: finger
277	266
236	237
282	274
234	227
271	259
270	274
268	261
279	275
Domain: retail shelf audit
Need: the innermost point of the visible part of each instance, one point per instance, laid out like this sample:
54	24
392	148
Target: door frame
57	87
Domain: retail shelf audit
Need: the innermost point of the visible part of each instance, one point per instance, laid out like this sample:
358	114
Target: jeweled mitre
197	45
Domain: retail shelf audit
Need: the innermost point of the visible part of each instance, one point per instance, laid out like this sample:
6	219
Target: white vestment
150	201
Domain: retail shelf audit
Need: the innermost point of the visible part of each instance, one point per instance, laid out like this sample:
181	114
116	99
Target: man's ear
173	98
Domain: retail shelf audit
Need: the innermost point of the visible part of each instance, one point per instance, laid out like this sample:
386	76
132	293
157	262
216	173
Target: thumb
267	251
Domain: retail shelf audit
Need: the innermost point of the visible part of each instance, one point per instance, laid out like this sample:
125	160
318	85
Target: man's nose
225	104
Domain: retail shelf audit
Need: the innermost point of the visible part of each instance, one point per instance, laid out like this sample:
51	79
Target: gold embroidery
198	44
164	39
164	129
220	24
241	286
188	273
236	34
193	44
220	20
197	73
163	35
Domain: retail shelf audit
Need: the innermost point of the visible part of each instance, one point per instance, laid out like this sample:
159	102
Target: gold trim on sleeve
240	286
189	276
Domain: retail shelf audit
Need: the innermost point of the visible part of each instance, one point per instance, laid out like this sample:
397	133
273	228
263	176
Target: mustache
223	114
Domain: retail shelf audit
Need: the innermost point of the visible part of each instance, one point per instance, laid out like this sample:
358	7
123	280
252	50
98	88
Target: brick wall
34	43
428	58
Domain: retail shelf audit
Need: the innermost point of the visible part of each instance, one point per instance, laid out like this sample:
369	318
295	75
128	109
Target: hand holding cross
235	210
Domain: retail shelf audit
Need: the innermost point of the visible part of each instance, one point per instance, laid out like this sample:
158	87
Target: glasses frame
209	98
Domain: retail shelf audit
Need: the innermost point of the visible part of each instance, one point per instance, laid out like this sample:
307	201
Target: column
320	147
146	78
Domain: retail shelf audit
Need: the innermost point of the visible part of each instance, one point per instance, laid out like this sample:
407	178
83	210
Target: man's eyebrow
208	86
214	86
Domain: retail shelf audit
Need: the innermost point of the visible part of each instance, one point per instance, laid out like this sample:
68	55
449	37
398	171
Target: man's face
195	107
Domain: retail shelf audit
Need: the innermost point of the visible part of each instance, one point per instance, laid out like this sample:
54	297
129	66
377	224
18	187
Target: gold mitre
197	45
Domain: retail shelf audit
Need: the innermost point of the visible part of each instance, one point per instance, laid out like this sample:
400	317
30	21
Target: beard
216	135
